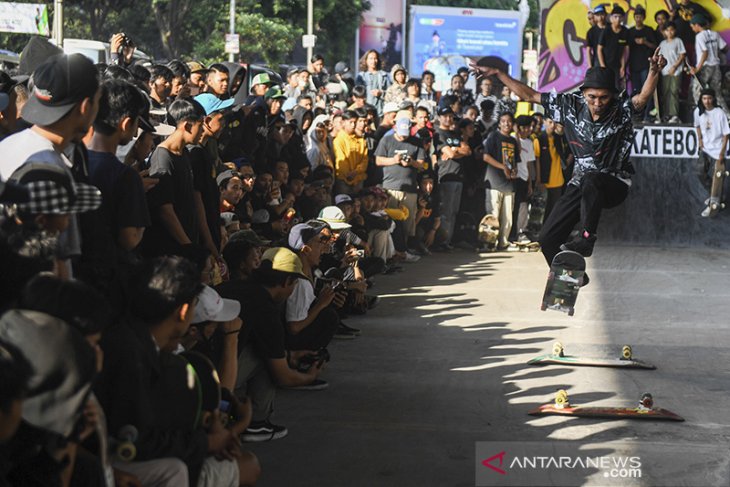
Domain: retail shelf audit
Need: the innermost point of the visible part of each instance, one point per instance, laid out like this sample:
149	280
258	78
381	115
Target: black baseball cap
57	85
445	111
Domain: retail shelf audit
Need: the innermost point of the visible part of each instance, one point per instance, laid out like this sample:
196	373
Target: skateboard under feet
564	281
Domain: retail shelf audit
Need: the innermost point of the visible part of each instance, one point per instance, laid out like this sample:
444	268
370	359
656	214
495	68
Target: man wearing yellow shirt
351	156
550	151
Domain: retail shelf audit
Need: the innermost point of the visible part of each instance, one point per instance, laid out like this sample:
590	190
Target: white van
97	51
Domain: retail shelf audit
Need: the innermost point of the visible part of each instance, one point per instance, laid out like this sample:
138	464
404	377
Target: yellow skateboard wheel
126	451
558	349
626	352
561	399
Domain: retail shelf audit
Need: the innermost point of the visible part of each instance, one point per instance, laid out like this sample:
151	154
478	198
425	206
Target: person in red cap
599	129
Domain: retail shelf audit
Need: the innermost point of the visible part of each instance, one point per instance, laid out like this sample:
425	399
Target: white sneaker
674	119
706	212
411	258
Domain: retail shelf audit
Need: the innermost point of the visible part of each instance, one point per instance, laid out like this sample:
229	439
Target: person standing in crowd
502	154
593	36
486	92
613	45
525	176
374	79
171	202
602	170
642	44
320	76
351	156
396	92
661	17
8	105
457	89
682	15
428	93
59	126
709	48
196	81
401	157
672	48
206	193
160	84
450	150
712	137
124	214
551	149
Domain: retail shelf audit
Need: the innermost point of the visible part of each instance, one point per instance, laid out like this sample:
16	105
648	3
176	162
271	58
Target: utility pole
232	25
310	27
58	22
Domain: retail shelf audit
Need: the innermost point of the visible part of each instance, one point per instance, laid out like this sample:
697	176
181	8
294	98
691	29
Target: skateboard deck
528	247
179	395
489	230
564	281
645	410
716	190
209	383
558	357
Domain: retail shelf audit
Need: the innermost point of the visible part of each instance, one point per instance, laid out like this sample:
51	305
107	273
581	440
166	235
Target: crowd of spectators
683	36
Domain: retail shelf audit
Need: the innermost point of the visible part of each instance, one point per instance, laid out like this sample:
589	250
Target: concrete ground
441	366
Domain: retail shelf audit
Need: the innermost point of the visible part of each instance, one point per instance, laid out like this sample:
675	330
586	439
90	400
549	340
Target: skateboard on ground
564	281
558	357
645	410
716	190
528	246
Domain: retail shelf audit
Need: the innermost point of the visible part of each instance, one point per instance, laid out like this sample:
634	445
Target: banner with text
665	142
443	39
24	18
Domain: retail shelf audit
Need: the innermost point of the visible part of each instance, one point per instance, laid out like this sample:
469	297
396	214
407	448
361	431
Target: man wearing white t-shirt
712	135
708	48
523	183
672	48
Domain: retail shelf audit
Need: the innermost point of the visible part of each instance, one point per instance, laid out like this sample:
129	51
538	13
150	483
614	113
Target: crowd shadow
433	374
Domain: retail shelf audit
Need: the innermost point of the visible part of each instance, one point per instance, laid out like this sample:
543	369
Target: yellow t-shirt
556	179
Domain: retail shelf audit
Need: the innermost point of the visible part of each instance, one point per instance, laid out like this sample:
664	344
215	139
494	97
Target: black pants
521	187
318	334
582	203
551	198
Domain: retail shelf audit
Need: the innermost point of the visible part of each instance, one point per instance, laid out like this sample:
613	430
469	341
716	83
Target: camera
126	41
360	254
403	155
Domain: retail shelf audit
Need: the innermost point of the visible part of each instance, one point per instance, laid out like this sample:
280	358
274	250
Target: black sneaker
316	385
344	327
343	333
259	431
372	301
582	245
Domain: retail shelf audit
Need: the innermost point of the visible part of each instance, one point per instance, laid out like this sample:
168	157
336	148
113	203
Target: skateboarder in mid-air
599	130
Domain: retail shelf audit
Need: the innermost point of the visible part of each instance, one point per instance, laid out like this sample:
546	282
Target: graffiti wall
564	25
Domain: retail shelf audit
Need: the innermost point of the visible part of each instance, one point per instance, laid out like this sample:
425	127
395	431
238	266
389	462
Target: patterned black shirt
603	145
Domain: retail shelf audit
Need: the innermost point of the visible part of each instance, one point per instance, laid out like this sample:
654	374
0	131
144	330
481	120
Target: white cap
390	107
335	217
342	198
212	307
